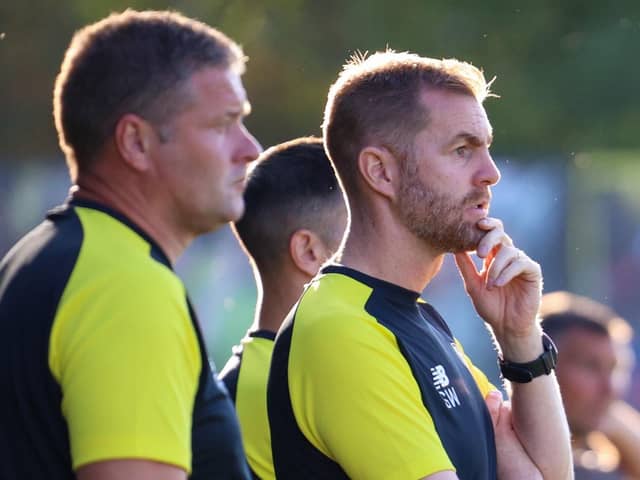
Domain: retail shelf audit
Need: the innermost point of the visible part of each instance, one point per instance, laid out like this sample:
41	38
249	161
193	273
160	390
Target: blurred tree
565	70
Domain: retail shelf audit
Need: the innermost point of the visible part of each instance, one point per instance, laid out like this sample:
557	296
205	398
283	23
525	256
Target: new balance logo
441	382
440	379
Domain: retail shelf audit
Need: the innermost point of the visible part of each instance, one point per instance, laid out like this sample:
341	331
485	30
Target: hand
506	292
621	426
513	460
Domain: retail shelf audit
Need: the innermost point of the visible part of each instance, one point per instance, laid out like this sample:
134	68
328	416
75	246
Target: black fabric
34	440
266	334
216	440
458	409
33	433
231	373
231	370
294	457
456	405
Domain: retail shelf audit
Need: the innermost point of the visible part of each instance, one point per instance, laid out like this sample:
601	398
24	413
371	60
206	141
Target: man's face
585	372
202	164
446	179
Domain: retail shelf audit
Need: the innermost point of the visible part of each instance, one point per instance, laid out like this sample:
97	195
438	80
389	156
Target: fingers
494	238
465	265
509	263
502	261
494	404
499	410
470	275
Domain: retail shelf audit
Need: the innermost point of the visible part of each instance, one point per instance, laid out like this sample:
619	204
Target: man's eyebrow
471	138
235	113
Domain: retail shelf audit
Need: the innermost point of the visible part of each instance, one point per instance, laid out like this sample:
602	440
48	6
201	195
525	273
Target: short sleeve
355	398
125	353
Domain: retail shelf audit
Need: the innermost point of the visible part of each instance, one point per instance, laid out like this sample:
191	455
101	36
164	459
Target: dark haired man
294	220
105	370
367	380
592	372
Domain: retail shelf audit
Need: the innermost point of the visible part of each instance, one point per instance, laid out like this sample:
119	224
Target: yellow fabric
481	379
360	405
124	351
251	404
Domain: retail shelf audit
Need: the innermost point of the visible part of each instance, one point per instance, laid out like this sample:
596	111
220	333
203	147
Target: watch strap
526	372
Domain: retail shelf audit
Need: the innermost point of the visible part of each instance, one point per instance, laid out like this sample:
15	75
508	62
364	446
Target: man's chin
459	247
463	249
469	243
218	219
465	238
235	214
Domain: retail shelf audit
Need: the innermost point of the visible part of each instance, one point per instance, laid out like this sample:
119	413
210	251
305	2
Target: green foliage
566	71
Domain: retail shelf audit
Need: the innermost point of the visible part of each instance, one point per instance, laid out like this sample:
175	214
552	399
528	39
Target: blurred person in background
593	371
366	379
104	369
293	222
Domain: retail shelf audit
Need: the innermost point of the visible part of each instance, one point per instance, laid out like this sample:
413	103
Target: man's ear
380	170
307	251
133	137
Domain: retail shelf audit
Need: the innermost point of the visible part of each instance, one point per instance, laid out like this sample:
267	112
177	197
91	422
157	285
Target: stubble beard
436	217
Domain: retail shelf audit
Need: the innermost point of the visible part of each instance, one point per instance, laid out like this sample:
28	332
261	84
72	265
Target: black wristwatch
525	372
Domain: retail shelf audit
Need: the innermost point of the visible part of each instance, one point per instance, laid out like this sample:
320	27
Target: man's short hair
563	311
376	100
131	62
291	186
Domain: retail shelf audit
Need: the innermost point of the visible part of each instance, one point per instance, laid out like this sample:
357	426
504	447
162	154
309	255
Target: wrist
521	348
525	372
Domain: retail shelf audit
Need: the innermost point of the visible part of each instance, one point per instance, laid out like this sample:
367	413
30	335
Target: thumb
493	401
467	269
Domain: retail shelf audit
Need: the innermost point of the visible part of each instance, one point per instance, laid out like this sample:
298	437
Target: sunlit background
565	129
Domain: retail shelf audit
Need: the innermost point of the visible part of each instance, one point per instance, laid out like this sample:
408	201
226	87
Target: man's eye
463	151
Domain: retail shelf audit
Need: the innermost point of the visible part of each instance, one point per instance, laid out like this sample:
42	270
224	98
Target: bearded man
367	380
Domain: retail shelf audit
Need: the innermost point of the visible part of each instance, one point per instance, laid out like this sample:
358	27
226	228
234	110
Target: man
592	371
104	367
366	379
293	222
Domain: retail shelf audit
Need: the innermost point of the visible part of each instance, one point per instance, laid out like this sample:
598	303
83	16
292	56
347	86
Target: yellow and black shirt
102	357
245	375
367	381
